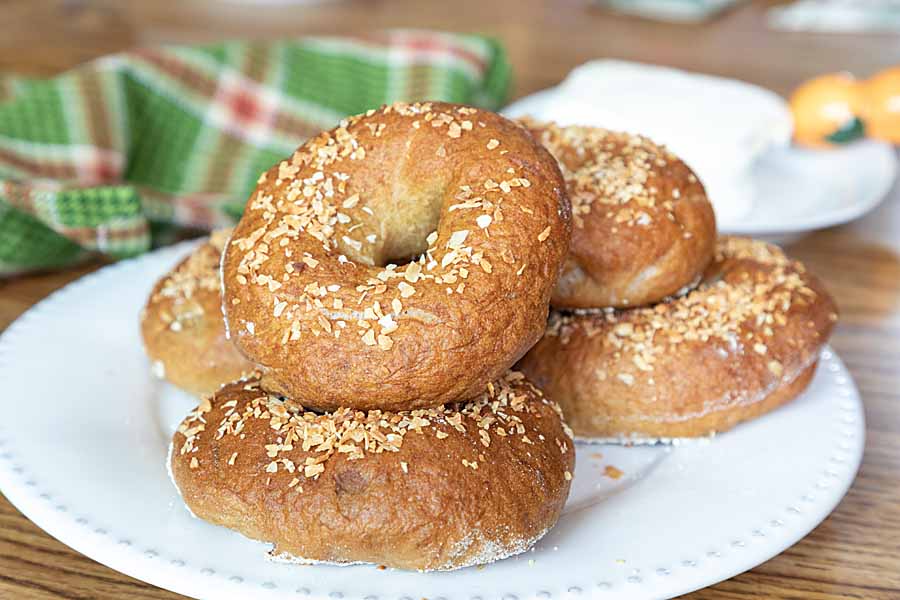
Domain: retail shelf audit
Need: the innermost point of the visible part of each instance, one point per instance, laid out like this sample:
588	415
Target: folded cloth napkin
105	157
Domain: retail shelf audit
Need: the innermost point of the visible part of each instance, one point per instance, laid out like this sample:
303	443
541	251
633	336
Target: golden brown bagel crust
430	489
643	226
743	343
308	296
182	324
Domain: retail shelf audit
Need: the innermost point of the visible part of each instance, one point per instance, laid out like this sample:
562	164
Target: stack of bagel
353	340
662	330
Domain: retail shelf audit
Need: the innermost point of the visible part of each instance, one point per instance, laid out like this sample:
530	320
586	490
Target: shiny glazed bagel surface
431	489
402	260
643	226
741	344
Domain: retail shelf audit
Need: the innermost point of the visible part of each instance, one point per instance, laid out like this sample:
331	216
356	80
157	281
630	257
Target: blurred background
545	39
822	69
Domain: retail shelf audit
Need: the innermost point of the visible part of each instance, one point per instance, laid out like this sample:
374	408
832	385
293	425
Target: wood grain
856	552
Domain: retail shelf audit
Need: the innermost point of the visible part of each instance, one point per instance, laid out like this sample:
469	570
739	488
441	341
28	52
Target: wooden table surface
855	553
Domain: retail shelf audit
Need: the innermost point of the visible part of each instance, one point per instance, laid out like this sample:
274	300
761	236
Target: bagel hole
401	258
407	229
405	220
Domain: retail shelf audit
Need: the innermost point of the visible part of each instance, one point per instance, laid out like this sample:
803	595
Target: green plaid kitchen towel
96	159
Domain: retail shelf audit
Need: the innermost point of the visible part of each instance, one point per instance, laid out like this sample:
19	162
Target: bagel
743	343
433	489
643	226
182	325
402	260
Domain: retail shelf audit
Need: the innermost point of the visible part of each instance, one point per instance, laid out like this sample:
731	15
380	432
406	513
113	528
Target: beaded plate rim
116	549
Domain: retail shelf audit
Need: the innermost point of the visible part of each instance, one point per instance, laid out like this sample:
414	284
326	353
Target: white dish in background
759	185
716	125
798	190
86	427
715	122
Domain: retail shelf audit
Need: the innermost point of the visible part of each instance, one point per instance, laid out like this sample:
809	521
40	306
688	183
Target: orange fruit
881	105
826	111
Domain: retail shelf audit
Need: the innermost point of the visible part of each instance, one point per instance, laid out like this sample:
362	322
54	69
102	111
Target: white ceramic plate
86	427
795	191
